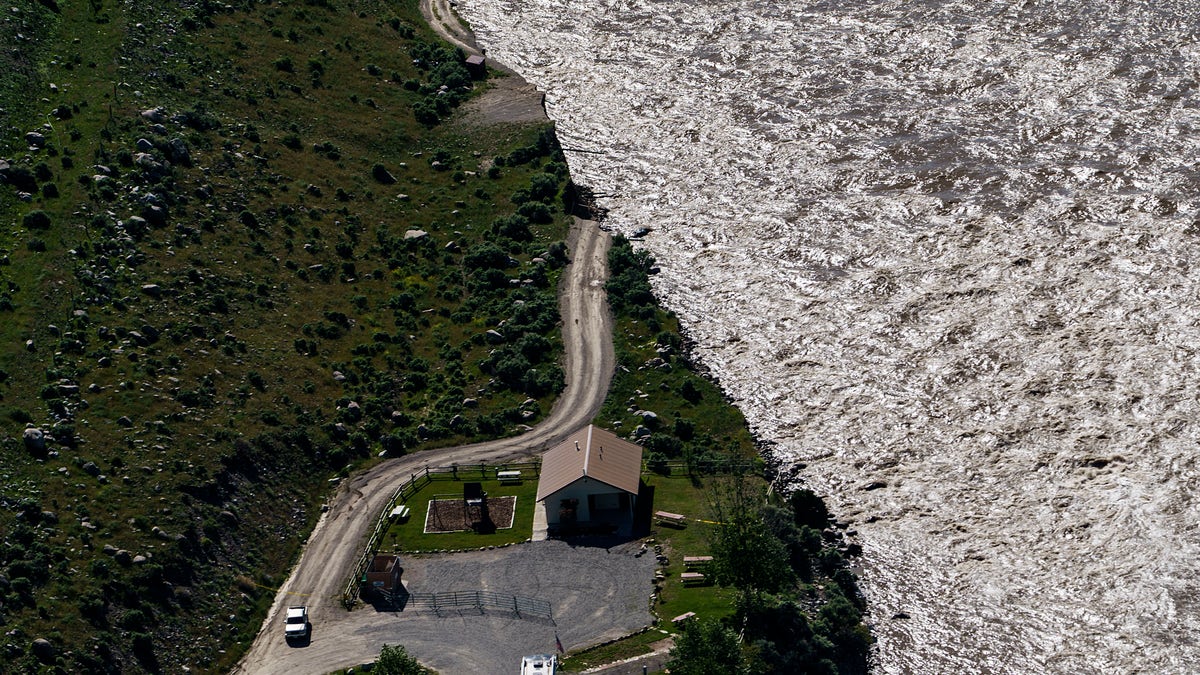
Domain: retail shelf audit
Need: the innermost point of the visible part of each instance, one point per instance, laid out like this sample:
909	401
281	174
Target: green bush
36	220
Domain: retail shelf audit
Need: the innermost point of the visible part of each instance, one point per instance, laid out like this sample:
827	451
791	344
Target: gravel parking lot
596	593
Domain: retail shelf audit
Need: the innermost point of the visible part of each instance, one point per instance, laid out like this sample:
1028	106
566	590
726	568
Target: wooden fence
416	482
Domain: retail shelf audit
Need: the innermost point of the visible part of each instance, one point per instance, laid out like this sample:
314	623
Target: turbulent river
941	253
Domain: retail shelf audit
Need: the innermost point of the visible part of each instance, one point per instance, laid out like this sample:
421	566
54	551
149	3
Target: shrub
36	220
284	64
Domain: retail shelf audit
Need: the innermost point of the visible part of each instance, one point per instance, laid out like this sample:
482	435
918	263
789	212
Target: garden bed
455	515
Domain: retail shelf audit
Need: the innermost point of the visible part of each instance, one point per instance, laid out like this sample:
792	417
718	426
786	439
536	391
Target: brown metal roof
595	453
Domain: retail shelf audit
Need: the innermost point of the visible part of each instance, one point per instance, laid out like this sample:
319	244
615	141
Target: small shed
590	480
477	66
383	574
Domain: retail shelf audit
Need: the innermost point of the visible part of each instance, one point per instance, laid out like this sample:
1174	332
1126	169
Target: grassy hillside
246	247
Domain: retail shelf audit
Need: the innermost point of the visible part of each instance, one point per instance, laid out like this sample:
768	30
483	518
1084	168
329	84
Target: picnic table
694	561
401	512
511	476
667	518
683	617
692	578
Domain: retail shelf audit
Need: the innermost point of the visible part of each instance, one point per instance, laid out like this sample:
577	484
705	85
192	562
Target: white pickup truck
296	627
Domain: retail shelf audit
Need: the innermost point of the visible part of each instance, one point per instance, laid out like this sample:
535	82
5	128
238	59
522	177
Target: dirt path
336	542
445	22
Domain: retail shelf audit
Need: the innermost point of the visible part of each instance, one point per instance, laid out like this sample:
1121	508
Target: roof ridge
587	449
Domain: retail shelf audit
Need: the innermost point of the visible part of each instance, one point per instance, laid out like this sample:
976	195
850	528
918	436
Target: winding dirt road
337	541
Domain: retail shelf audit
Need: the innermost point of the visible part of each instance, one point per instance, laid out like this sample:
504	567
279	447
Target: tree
397	661
706	648
746	554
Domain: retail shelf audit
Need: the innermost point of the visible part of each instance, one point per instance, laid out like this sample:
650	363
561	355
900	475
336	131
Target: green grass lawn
409	535
691	498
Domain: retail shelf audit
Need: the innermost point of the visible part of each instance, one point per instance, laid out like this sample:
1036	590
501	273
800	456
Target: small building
590	482
383	574
477	66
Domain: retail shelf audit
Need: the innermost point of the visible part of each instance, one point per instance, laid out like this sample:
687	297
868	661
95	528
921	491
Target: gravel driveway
597	594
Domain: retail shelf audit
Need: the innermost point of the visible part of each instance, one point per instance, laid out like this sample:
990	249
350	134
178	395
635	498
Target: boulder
42	649
145	144
35	439
122	556
415	234
91	469
35	140
155	115
179	151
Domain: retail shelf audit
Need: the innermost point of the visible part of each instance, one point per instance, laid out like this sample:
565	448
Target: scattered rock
109	549
155	115
338	376
122	556
152	290
415	234
35	140
470	403
875	485
91	469
124	421
138	559
145	145
494	336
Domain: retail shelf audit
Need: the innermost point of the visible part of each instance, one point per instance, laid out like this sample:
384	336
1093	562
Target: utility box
477	67
383	574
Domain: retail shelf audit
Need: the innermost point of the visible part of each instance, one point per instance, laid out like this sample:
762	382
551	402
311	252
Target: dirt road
440	15
337	541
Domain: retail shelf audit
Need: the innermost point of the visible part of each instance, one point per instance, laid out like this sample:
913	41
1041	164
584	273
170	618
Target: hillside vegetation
243	251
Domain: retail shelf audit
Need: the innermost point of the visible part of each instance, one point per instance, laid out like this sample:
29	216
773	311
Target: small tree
397	661
706	648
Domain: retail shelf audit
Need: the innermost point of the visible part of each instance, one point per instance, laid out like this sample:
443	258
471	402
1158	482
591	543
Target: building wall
580	490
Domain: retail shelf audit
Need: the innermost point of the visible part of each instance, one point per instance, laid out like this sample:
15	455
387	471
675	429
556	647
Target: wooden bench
401	512
508	476
692	579
683	617
674	519
696	561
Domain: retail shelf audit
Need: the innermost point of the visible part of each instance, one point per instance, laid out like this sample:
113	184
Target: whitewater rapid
942	254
